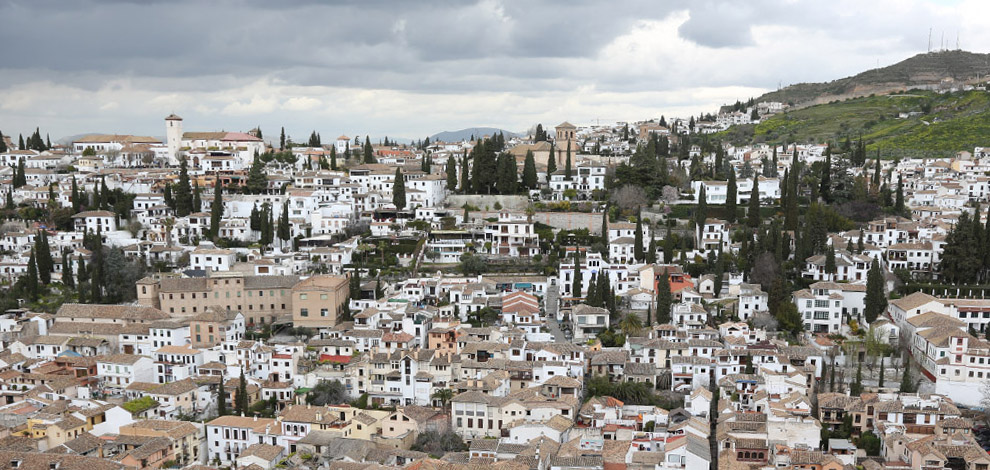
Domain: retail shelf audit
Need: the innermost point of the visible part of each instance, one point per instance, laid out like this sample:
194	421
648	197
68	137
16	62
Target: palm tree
444	395
631	324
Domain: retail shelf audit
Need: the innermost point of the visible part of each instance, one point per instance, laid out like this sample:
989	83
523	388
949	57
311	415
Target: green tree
327	392
830	267
507	173
883	372
856	388
826	178
333	157
651	252
451	171
876	298
242	403
76	198
665	299
899	198
701	212
465	177
869	442
221	400
43	253
638	236
578	284
183	191
197	200
529	179
788	318
283	223
20	179
3	143
753	213
369	151
67	270
443	395
216	210
730	197
567	163
31	278
281	139
908	385
257	182
399	190
551	162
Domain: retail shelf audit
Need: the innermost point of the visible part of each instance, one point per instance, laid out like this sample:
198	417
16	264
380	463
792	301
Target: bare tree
669	194
629	197
765	270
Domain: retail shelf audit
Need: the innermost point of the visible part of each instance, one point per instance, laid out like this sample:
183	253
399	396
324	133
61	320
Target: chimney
319	417
255	417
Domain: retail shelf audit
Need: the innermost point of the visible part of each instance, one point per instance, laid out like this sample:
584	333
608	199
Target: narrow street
550	308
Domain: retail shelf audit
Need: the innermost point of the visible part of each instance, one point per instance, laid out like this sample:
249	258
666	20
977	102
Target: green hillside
948	123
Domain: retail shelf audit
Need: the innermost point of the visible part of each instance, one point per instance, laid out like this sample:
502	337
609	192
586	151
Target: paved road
550	307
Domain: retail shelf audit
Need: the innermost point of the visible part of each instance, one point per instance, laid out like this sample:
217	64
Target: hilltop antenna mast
942	42
929	40
957	40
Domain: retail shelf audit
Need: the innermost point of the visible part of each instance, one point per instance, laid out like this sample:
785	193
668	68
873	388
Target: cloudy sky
412	68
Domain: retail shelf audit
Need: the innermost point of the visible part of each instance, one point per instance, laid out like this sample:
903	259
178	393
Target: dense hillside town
637	295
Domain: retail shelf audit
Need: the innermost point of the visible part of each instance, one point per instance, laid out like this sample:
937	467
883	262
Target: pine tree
665	299
221	399
369	151
31	278
67	279
257	182
578	284
399	190
638	236
529	178
753	213
43	253
183	191
730	197
216	210
876	299
451	171
197	201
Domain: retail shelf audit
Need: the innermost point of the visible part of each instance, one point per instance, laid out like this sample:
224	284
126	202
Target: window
302	296
304	312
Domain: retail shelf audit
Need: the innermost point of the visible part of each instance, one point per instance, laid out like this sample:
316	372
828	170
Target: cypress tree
104	193
369	152
856	389
753	214
664	299
20	142
899	198
876	299
529	179
593	298
221	400
876	173
730	197
31	277
791	210
907	383
426	164
465	176
333	158
451	172
82	274
399	190
255	218
551	162
826	180
718	274
67	279
9	204
20	179
651	253
167	195
242	397
76	203
638	236
281	140
216	210
578	284
567	164
830	267
43	255
283	223
883	372
183	191
197	202
604	229
701	212
3	143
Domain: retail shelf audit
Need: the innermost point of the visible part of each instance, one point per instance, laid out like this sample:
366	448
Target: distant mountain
920	71
72	138
464	134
